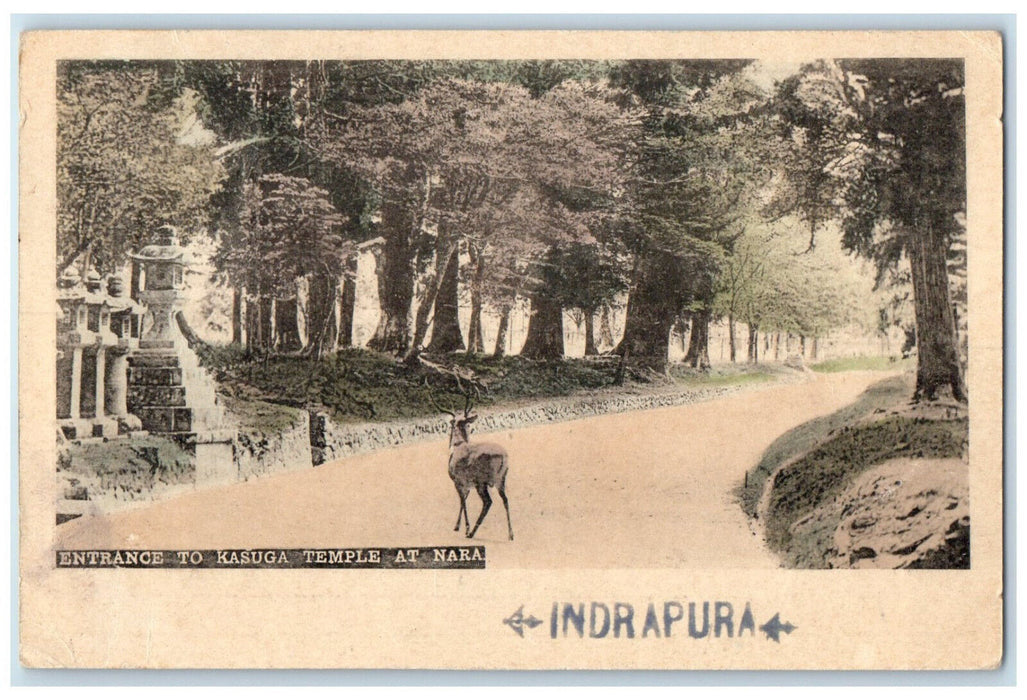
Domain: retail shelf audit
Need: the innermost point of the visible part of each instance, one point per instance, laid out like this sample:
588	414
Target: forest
681	191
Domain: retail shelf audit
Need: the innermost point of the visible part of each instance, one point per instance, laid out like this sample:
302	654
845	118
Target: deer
474	464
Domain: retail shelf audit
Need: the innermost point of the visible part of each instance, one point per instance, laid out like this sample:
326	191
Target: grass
261	416
357	385
802	439
849	364
819	459
129	469
753	376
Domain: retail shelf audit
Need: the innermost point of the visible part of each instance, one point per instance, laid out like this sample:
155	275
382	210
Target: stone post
74	408
101	372
117	385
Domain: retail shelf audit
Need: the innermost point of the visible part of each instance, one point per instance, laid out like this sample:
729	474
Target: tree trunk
777	346
802	346
502	332
650	316
475	337
135	280
698	354
445	335
253	340
590	335
754	344
431	293
731	342
268	336
287	325
321	330
545	330
395	262
347	307
605	329
682	329
238	315
938	364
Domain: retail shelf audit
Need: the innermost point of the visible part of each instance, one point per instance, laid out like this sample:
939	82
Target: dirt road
644	489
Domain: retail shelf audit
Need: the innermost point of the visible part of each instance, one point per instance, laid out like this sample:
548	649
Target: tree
589	275
262	111
130	158
772	281
450	164
698	163
293	231
902	178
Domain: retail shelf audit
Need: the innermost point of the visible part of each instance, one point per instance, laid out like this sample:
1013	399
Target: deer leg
506	505
486	503
463	509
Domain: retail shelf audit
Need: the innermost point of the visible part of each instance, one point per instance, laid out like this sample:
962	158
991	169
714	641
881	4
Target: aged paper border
423	619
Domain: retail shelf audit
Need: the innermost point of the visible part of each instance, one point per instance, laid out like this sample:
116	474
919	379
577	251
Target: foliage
568	182
360	385
474	161
770	282
897	166
291	230
129	159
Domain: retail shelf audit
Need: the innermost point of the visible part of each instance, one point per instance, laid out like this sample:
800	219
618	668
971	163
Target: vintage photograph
603	314
269	266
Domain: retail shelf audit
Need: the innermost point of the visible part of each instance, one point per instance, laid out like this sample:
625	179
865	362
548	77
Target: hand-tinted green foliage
289	229
891	144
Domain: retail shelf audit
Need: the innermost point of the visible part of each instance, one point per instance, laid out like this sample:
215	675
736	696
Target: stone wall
259	452
343	440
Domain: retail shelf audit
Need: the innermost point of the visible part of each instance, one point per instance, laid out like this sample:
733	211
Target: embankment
878	484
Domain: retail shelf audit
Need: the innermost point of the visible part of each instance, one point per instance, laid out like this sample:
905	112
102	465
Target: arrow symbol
518	622
774	627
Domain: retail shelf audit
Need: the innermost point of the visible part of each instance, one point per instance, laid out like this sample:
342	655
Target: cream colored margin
372	619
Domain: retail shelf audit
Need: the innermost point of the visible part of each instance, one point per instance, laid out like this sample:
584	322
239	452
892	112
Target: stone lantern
163	263
168	389
90	389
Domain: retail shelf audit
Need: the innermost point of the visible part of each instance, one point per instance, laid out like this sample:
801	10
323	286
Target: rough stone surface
906	513
258	453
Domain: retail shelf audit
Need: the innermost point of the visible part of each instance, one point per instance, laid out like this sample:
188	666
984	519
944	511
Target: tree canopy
683	186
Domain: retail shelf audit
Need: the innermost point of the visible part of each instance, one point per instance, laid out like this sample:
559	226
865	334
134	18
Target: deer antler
431	398
470	395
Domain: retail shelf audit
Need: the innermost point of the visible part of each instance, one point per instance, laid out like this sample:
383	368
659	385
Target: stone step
155	376
165	419
152	395
162	360
157	346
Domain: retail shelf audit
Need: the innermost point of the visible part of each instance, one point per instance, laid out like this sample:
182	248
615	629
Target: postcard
511	350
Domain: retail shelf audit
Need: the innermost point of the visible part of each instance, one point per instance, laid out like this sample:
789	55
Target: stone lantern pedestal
167	388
